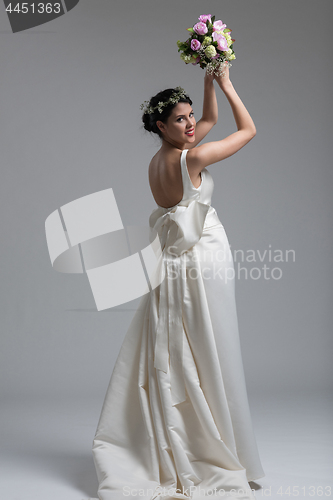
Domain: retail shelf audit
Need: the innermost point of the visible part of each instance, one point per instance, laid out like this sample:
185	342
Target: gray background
71	126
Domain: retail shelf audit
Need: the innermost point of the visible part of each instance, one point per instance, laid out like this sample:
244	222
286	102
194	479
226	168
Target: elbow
211	120
249	132
253	132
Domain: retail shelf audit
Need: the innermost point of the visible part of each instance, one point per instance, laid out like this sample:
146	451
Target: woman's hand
223	80
208	78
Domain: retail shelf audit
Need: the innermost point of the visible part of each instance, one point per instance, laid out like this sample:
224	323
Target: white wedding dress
176	422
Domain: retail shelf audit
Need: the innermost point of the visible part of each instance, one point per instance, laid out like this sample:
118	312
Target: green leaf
213	19
191	30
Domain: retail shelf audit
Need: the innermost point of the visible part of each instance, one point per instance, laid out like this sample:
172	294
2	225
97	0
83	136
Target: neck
171	144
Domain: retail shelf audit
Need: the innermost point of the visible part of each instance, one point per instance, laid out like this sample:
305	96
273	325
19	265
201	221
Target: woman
176	422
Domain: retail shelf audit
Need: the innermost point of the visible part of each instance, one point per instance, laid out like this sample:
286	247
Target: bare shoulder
166	161
153	161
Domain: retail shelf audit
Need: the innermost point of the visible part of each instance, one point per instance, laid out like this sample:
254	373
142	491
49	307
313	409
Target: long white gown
176	422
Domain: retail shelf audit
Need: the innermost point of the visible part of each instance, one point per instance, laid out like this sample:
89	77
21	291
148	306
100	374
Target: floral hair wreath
175	97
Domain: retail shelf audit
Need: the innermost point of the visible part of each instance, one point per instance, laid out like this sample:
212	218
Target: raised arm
212	152
209	112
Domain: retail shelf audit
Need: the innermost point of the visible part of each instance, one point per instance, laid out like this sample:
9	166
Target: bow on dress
179	228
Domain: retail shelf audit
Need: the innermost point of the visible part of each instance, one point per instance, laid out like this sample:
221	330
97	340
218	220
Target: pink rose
200	28
195	45
218	26
205	17
222	43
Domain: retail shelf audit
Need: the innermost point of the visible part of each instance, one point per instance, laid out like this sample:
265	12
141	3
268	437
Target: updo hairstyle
149	120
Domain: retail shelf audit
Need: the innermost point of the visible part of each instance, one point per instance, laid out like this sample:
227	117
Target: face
180	126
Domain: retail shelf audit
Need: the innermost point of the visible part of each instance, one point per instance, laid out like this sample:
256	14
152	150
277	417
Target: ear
160	125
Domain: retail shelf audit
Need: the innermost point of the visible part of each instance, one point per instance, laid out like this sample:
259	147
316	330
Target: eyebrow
184	115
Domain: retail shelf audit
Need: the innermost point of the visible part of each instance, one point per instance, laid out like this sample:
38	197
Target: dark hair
149	120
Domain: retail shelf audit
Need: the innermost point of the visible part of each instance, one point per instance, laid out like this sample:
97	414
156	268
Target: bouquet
210	45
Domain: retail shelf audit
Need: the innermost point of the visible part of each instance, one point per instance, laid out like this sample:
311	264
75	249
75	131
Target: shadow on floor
77	471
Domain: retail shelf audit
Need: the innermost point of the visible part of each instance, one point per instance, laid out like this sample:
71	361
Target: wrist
225	85
208	82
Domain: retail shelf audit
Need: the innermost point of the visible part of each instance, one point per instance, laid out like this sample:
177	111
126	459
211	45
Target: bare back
165	178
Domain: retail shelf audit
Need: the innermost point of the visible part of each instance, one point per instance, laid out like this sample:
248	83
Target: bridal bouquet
210	45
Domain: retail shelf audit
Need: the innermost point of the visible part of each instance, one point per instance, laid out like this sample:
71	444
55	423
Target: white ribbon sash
179	229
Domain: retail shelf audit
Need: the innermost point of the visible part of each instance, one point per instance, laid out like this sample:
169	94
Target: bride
175	421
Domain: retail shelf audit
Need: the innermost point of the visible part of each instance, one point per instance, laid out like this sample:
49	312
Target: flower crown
175	97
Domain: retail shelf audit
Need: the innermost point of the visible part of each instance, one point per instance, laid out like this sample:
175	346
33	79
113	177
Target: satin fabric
175	422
